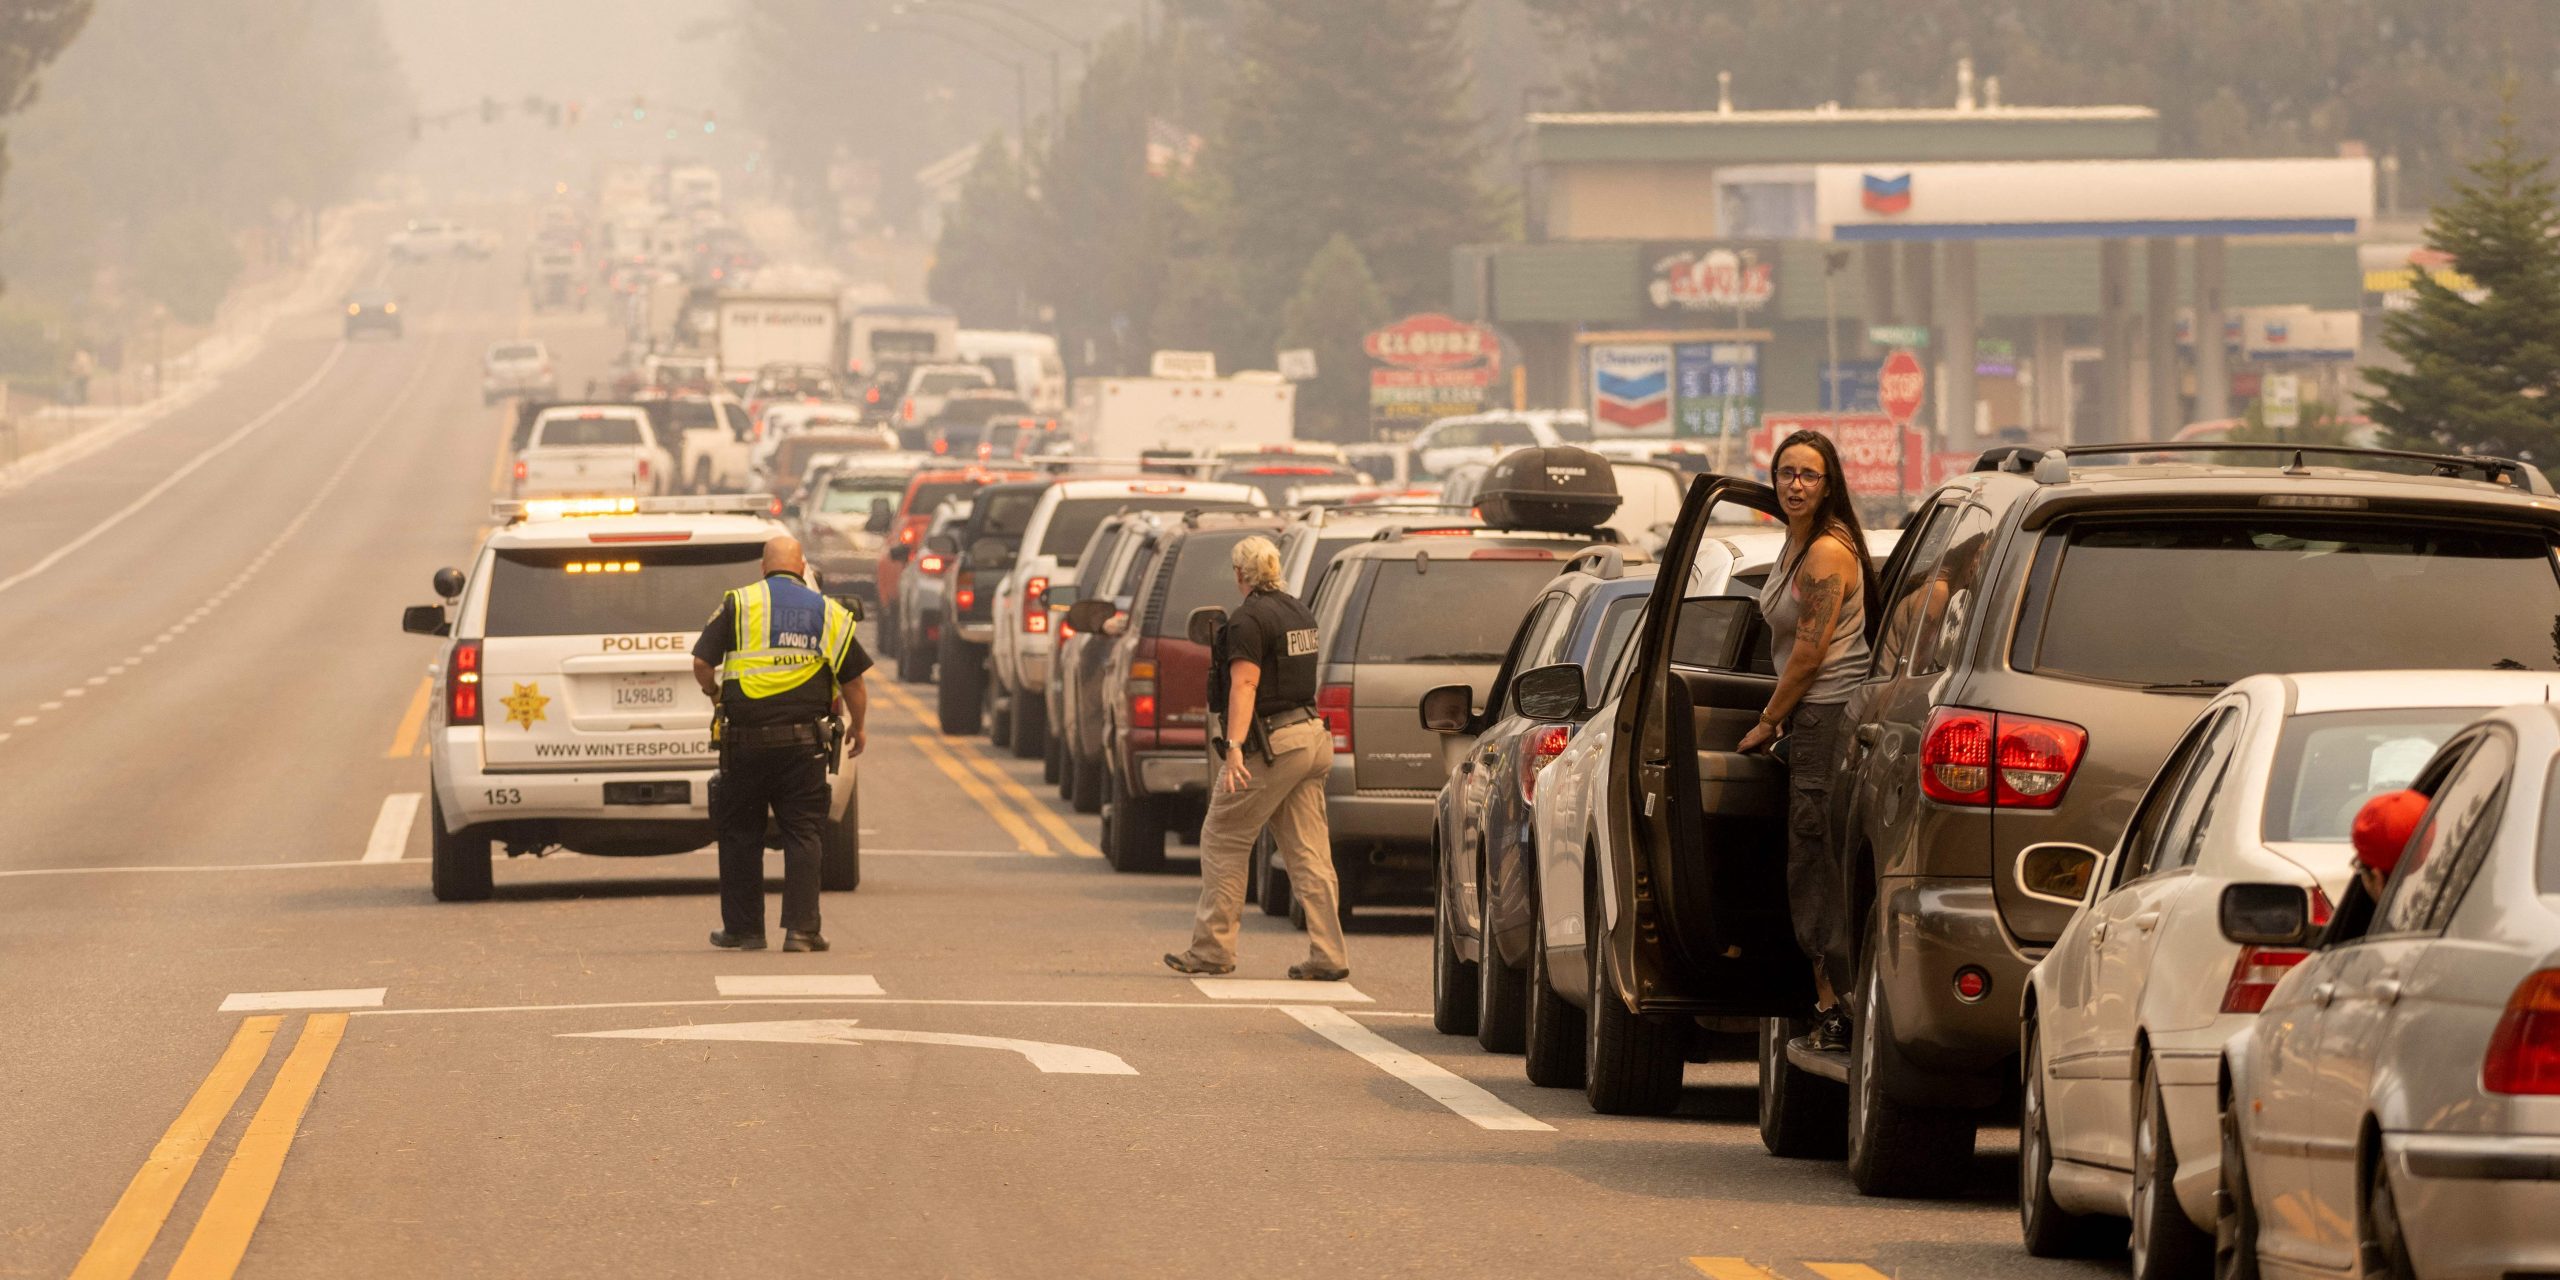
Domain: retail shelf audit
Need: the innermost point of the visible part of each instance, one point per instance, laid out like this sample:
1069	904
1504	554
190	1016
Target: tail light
1035	606
1543	746
907	410
908	534
519	470
2524	1052
932	564
1978	758
1333	702
941	446
871	395
1142	694
462	684
2255	974
964	591
644	468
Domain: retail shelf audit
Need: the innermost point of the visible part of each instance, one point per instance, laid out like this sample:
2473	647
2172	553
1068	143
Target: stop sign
1900	385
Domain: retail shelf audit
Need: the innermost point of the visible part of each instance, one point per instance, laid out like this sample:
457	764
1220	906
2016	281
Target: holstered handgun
831	741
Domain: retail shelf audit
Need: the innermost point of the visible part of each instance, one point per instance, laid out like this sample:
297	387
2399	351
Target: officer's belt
758	737
1279	720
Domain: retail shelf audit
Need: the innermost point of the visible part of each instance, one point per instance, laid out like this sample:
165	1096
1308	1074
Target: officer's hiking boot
1312	972
794	940
728	941
1185	964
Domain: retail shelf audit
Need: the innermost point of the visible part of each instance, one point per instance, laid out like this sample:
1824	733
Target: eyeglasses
1797	475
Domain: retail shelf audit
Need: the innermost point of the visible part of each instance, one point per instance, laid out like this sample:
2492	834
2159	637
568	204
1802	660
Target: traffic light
710	123
639	108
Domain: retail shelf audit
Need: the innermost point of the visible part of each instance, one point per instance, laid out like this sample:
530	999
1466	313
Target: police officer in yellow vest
781	661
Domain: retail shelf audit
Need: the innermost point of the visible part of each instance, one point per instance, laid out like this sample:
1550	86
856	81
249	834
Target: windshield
1443	610
2225	597
1073	523
516	351
855	494
570	592
572	433
2328	765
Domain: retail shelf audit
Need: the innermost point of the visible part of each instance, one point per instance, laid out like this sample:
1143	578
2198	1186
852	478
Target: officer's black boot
795	940
728	941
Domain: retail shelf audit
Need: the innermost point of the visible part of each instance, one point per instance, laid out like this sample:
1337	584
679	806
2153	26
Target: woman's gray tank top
1782	604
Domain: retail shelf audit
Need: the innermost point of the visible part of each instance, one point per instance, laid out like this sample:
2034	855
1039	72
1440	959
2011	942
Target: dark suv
980	553
2047	626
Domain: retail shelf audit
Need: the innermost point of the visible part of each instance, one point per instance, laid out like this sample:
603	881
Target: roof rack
1399	532
1608	564
2043	463
517	510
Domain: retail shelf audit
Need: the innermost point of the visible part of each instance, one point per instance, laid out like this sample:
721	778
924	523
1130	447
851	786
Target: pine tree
1348	117
1338	302
2483	365
981	265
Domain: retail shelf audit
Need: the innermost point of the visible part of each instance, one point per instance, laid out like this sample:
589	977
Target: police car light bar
511	510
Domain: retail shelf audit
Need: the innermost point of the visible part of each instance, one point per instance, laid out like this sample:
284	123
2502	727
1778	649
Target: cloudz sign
1435	366
1710	282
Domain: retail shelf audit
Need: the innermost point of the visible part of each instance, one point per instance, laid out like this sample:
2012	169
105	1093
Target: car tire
887	637
1502	991
1053	759
1631	1063
2165	1243
2382	1248
840	849
2050	1231
1802	1115
1030	716
1551	1042
1085	780
2235	1234
1132	832
1895	1148
458	861
961	697
915	659
1275	893
998	724
1453	980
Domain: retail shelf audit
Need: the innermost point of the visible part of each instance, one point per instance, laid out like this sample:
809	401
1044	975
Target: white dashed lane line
341	998
390	839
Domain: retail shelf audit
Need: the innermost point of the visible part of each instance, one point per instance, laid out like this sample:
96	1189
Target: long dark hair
1834	509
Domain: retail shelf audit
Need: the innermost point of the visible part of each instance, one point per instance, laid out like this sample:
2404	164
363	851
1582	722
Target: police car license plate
644	693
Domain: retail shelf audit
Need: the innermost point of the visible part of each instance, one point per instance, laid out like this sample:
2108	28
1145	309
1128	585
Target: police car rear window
1446	610
576	433
614	590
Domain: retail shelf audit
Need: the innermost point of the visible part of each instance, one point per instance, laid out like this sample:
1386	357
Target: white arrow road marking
343	998
1280	991
1055	1059
798	984
390	837
1436	1082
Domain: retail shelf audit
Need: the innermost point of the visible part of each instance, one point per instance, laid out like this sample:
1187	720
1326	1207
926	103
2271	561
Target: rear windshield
2226	597
1201	575
929	496
937	383
2328	765
1008	514
857	493
897	344
614	590
1572	432
1073	523
686	415
516	351
1447	610
583	432
1001	369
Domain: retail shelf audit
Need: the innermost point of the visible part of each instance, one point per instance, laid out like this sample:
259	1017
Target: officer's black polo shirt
802	705
1277	634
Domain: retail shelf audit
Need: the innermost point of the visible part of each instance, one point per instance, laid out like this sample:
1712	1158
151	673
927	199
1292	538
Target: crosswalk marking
1280	991
1433	1081
341	998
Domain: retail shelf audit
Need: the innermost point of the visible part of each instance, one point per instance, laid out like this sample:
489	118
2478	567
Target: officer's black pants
791	784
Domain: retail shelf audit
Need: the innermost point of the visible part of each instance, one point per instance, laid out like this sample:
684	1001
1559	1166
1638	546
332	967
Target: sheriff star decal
525	705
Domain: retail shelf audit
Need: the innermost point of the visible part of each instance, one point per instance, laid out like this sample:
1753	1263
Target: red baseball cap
2383	827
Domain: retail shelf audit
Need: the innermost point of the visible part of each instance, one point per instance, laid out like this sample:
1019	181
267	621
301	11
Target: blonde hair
1257	562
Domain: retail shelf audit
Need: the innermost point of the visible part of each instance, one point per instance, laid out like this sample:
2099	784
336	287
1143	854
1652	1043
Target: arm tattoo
1821	611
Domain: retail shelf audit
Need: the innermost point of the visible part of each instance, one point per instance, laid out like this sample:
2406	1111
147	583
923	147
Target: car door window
2192	817
2151	818
1526	646
2452	839
735	417
1948	602
1906	597
1509	435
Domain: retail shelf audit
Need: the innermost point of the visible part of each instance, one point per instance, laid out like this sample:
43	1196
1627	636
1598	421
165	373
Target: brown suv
2047	626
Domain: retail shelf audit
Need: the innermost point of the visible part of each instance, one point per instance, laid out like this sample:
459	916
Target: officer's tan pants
1287	794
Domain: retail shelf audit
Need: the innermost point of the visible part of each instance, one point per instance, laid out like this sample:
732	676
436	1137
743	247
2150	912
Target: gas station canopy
2092	199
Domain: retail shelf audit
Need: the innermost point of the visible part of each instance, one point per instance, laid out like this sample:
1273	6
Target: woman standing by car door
1816	606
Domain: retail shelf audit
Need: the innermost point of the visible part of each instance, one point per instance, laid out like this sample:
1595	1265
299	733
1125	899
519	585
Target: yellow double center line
983	780
221	1235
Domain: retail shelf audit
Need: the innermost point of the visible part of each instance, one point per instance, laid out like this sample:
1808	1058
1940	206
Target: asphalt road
206	704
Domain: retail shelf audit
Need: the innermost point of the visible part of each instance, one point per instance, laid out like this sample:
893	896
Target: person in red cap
2381	834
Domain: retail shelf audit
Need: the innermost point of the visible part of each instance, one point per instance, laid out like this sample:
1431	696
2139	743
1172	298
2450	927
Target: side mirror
448	582
2060	873
1449	709
425	620
990	553
881	516
1204	624
1550	692
2266	915
1090	616
901	553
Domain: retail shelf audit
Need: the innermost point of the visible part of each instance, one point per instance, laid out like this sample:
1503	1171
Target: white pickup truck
716	437
592	451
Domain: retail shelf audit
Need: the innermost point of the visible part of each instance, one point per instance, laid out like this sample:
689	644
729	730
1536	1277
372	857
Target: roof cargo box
1548	488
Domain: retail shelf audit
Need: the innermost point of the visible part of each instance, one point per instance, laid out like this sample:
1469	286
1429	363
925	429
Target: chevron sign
1631	390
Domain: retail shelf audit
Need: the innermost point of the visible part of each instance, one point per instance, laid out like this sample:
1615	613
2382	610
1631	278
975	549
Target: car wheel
915	659
1086	783
1053	758
1552	1037
2165	1242
458	867
999	716
2235	1234
2050	1230
887	636
2381	1247
1802	1115
1453	980
840	849
1276	894
961	697
1502	991
1132	831
1895	1148
1030	715
1631	1063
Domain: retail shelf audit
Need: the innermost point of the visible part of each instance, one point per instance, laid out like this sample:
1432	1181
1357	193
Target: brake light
1142	693
1971	757
1544	745
2524	1052
1333	702
1035	609
1142	710
2255	974
907	410
964	591
519	470
871	395
644	468
941	446
908	533
462	684
932	564
1509	553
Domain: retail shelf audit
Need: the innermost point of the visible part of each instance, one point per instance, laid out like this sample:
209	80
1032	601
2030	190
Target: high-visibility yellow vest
787	633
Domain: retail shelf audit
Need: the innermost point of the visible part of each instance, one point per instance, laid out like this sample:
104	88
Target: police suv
566	714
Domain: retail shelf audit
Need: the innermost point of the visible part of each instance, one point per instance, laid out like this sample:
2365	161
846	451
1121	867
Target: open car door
1696	886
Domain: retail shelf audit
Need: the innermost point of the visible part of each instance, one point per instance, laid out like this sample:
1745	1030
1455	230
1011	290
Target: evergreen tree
1338	302
990	241
1348	117
2484	366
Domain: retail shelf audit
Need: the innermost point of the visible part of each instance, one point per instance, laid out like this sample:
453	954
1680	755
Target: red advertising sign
1870	444
1433	341
1900	386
